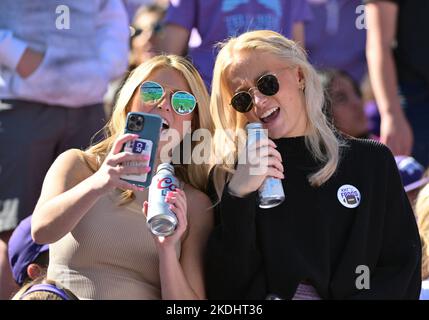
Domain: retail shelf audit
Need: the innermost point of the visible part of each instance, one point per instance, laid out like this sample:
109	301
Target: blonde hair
321	140
422	213
41	295
195	175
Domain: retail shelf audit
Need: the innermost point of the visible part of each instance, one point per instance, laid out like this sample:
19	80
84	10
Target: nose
165	103
259	99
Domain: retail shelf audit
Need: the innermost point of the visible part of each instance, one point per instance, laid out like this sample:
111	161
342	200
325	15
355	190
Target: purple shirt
335	37
216	20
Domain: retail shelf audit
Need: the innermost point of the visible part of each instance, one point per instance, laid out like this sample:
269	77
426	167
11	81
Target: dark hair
43	261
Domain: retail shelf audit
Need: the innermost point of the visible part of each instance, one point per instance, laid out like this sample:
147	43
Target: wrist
234	192
166	252
390	109
95	188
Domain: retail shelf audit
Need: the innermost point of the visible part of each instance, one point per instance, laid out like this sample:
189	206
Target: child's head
28	260
43	289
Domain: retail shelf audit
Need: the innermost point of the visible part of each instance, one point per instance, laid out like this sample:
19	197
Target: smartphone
148	127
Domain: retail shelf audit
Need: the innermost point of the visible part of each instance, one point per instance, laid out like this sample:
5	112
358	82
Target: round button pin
349	196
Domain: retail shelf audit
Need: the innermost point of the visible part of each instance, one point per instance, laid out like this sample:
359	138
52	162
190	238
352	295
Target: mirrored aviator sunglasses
182	102
268	85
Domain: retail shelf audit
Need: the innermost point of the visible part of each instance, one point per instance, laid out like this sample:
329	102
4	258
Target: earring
302	86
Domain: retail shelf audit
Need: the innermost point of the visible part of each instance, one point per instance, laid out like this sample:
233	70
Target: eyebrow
240	88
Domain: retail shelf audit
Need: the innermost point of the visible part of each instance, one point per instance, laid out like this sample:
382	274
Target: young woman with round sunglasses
100	246
345	229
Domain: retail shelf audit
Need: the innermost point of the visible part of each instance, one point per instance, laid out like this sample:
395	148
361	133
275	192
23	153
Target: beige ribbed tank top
110	254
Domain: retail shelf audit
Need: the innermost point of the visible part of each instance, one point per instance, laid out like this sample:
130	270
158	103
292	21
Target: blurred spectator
422	212
373	116
56	60
217	20
412	175
334	39
345	104
398	59
132	6
28	260
146	25
370	105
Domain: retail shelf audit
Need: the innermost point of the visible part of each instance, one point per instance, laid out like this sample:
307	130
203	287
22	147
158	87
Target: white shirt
78	62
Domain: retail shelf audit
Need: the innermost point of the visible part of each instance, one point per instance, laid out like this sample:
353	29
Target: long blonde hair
321	140
195	175
422	213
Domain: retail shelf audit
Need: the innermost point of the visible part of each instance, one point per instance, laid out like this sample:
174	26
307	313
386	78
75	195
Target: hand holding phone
148	127
108	176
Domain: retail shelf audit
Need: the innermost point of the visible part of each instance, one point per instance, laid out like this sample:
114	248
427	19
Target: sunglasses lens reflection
183	102
151	92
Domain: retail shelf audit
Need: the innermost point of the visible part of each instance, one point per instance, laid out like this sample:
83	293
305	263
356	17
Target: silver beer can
271	192
160	219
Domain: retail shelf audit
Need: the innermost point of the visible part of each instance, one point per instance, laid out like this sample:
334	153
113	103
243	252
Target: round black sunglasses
268	85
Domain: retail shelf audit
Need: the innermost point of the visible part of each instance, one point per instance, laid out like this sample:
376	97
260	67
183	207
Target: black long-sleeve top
313	238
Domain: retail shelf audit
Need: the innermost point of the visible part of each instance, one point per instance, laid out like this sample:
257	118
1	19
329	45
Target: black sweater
312	238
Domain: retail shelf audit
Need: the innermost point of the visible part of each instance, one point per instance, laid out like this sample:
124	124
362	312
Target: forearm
382	24
174	285
384	80
58	216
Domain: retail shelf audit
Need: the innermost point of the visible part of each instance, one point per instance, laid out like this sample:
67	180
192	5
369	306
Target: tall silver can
160	219
271	192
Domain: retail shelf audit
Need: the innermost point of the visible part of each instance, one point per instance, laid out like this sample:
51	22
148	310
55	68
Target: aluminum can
160	219
271	192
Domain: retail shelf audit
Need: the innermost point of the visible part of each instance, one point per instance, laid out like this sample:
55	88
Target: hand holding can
271	193
161	219
257	161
